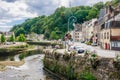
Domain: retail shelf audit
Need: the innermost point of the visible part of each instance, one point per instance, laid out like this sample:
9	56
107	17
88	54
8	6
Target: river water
31	70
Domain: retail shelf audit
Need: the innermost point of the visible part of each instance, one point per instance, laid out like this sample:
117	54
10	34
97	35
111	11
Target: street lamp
74	20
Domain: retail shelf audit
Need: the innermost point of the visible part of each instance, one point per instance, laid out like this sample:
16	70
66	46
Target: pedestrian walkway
99	51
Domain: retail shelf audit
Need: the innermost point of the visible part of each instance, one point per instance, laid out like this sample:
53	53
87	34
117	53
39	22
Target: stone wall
73	66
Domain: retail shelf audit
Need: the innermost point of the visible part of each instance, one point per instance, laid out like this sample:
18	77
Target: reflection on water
31	70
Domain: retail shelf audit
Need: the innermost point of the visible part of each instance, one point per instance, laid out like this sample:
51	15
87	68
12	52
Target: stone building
77	33
109	23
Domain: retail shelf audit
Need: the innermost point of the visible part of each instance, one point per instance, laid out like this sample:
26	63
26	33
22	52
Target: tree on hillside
3	39
99	5
93	13
21	38
81	15
19	31
12	38
54	35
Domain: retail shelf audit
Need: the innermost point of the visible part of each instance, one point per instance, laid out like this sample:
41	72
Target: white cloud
5	28
92	2
15	10
64	3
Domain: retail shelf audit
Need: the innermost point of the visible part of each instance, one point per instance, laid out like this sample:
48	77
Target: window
115	44
118	44
104	35
112	44
107	35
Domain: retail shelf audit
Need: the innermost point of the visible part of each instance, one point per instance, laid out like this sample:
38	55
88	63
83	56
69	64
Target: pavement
99	51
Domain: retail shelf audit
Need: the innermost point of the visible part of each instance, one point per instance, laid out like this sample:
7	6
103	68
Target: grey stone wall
71	65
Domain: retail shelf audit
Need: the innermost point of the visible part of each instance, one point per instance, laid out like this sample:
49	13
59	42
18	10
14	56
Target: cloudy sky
16	11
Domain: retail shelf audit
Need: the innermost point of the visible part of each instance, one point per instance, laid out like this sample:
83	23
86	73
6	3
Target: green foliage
3	39
12	38
92	13
93	55
21	38
88	43
99	5
70	72
19	31
86	75
21	56
113	2
29	53
12	59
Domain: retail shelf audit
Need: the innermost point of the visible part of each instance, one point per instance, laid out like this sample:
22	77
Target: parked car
79	49
94	44
82	41
7	43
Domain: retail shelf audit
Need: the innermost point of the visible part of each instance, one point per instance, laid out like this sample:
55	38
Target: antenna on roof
70	3
70	7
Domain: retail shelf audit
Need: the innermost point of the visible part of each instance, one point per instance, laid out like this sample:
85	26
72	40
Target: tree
19	31
99	5
12	38
3	39
54	35
21	38
115	2
93	13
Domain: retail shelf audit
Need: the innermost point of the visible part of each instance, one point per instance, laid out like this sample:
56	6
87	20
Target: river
31	70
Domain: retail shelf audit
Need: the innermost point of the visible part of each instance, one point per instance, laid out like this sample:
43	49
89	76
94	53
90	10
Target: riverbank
32	69
3	64
11	50
7	50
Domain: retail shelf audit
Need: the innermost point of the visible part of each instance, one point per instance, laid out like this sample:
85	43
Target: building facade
77	33
110	29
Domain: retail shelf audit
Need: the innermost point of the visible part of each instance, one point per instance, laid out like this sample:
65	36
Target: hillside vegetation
54	26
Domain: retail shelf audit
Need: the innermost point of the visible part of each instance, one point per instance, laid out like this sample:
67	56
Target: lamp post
74	19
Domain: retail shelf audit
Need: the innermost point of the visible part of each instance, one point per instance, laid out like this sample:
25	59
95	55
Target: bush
93	55
66	57
21	56
87	76
94	61
12	59
88	43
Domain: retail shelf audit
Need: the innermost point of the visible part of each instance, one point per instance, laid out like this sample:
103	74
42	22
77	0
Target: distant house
92	30
109	23
8	34
77	33
85	30
89	30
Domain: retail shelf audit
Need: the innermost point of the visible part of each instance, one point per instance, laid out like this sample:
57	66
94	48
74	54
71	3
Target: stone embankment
76	67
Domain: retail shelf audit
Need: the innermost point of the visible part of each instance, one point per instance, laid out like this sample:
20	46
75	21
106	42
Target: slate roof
101	15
